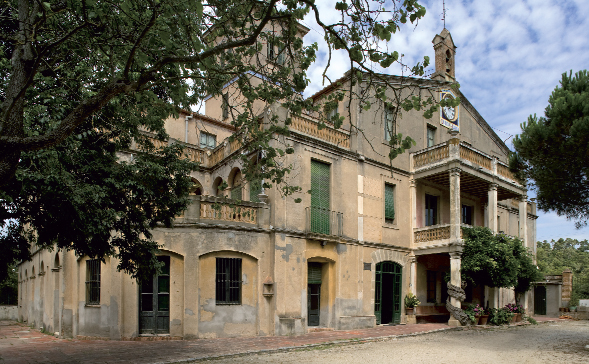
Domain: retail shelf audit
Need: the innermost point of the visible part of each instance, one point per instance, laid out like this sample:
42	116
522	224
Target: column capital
455	172
412	183
455	255
493	186
523	198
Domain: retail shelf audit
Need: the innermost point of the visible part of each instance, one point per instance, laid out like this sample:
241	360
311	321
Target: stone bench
425	314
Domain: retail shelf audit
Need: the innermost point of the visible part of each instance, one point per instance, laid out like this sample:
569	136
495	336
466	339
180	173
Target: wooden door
154	302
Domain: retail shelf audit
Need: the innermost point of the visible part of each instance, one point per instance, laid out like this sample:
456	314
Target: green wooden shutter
389	203
320	197
314	273
255	190
236	192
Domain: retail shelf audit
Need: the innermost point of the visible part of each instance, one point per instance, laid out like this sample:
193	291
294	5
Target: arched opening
387	292
56	261
235	180
448	60
217	183
196	188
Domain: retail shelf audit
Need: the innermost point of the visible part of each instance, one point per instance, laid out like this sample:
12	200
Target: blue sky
510	56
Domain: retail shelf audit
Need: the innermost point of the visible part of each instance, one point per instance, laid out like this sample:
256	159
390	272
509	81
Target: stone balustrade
310	127
219	210
472	155
431	155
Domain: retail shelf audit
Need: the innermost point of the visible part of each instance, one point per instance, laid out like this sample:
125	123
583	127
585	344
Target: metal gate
387	300
154	302
540	300
314	293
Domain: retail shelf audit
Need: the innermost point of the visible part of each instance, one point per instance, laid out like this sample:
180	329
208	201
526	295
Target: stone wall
9	312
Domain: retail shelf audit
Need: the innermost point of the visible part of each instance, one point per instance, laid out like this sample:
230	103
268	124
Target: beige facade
265	268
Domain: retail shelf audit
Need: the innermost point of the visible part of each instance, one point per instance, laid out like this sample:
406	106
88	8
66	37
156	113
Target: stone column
455	279
455	204
492	208
413	205
523	219
413	272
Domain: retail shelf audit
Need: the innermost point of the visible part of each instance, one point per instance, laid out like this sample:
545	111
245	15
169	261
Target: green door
313	293
320	197
154	302
387	296
540	300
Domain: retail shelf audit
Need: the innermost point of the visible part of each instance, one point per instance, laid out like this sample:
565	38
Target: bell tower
445	52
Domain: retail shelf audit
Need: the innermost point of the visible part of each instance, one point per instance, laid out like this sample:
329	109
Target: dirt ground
562	342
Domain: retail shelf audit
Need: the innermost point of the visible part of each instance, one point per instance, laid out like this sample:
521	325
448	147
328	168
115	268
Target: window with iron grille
228	281
93	282
431	286
389	123
207	140
389	203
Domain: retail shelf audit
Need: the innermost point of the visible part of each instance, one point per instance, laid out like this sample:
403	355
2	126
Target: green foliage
553	151
411	300
496	260
9	286
501	316
558	255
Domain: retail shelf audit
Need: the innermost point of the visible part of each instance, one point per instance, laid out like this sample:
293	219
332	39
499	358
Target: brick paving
21	344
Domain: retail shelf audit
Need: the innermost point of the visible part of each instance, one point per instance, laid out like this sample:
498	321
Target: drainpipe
186	128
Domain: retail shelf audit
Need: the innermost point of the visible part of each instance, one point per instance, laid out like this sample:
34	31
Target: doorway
540	300
313	293
154	301
387	300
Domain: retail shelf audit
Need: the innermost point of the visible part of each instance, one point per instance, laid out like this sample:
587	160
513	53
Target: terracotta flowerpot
483	319
518	317
409	310
477	319
514	318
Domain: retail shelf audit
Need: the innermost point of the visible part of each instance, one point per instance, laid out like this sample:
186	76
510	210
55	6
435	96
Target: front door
540	300
314	293
387	300
154	302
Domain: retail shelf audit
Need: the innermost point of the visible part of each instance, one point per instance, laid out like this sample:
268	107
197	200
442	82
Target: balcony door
431	210
387	300
320	203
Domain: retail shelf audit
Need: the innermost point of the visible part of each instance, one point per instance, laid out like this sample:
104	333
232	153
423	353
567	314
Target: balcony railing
324	221
433	233
219	210
244	214
310	127
431	155
474	156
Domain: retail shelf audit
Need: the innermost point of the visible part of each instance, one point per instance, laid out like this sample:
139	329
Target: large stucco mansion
369	232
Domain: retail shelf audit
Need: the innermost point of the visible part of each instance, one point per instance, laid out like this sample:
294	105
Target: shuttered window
389	203
320	191
255	190
314	273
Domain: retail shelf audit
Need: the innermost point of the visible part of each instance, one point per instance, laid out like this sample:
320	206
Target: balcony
223	211
309	126
433	236
478	170
323	224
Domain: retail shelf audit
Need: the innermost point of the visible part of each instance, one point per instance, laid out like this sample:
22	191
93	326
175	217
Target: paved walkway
21	344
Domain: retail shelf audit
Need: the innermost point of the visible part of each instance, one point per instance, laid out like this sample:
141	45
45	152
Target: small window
389	203
225	106
228	281
467	214
431	133
207	140
431	210
331	114
389	123
93	282
276	53
431	286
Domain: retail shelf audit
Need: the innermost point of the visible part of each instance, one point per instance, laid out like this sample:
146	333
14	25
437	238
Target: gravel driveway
562	342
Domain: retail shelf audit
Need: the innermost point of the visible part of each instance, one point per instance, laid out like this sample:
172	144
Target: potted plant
484	317
474	312
516	310
410	302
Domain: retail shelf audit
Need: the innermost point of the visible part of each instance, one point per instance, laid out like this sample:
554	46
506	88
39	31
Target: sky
510	56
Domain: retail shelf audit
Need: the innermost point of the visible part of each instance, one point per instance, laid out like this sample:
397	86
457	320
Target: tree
552	152
497	260
83	79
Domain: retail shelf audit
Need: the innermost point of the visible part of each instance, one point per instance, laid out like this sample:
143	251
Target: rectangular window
467	214
389	203
228	281
431	286
331	114
276	53
93	282
431	133
225	106
431	210
207	140
389	123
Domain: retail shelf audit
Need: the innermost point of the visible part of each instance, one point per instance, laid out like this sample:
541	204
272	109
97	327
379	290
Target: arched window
216	185
235	184
56	261
196	188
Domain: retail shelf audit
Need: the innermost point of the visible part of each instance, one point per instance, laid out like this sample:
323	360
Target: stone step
319	329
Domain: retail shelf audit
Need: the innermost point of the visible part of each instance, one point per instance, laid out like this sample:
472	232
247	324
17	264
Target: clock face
449	112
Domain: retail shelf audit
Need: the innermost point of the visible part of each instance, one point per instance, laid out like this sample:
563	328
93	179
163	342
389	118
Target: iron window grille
389	203
228	281
93	282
